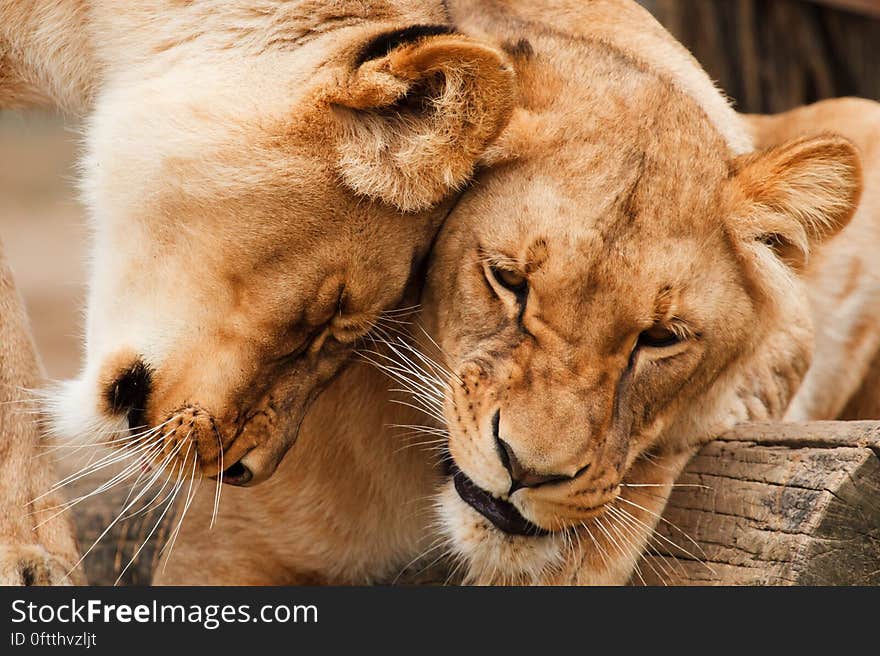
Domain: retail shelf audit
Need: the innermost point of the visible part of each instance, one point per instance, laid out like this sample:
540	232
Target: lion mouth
501	513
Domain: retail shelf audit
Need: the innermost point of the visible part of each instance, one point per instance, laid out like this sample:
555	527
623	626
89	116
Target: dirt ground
43	231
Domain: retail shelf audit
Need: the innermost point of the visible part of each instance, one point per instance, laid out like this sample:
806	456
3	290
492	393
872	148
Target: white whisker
668	523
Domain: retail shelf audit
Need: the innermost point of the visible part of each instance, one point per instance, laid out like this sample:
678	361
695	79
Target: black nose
520	475
238	474
129	392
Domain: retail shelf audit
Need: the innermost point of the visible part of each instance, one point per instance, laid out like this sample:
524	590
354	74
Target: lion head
618	287
262	186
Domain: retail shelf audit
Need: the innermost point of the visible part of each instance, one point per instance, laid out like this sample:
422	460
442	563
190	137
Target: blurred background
43	231
768	55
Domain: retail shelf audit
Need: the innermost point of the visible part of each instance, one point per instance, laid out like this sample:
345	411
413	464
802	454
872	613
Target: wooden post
776	504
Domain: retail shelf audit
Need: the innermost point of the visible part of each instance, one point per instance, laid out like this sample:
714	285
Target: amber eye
657	336
511	280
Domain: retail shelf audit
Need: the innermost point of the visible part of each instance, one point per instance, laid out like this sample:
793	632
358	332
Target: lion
628	277
844	277
263	180
36	545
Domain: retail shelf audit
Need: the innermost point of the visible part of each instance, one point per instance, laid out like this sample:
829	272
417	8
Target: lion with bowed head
262	180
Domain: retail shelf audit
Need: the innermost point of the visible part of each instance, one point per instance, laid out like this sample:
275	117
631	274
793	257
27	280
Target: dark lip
501	513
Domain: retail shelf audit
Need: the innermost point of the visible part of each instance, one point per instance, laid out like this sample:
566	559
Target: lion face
253	218
607	298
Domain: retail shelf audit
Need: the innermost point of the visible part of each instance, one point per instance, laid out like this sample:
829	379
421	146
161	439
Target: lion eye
513	281
658	336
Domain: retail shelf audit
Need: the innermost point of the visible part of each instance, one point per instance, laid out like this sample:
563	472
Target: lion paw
31	564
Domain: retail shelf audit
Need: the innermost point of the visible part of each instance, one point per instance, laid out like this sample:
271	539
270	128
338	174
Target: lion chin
492	556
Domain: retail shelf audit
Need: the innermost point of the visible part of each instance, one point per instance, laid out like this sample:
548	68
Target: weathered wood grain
776	504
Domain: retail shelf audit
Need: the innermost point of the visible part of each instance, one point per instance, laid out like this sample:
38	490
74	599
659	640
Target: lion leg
848	341
865	402
833	381
35	547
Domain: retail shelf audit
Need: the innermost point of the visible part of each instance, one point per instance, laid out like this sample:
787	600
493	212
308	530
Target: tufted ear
420	107
798	194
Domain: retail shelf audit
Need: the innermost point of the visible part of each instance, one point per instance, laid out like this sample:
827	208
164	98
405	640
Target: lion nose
129	391
521	475
238	475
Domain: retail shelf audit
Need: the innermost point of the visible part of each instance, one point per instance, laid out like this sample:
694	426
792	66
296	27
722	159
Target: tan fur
622	192
650	217
348	505
261	185
46	55
844	279
36	548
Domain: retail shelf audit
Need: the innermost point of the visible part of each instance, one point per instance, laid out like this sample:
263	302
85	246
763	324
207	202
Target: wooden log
771	504
776	504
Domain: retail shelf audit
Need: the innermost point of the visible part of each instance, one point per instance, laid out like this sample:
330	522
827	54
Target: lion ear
798	194
420	107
